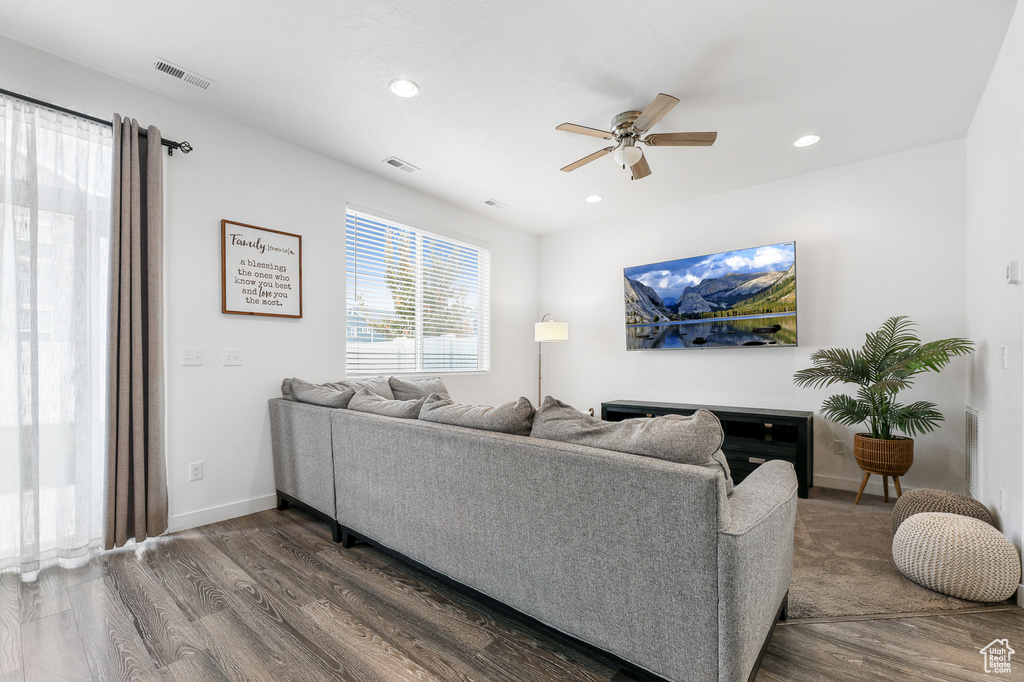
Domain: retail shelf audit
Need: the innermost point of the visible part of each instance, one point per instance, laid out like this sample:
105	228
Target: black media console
752	436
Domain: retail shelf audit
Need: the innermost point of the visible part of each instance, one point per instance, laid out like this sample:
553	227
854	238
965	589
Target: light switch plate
232	357
192	356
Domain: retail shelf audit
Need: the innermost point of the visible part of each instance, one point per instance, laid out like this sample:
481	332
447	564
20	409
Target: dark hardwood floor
270	597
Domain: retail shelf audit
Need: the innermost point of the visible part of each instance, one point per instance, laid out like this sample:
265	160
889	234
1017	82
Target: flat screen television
734	299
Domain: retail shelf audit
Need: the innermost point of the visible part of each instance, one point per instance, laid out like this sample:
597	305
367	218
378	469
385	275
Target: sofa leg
282	503
347	539
336	532
784	611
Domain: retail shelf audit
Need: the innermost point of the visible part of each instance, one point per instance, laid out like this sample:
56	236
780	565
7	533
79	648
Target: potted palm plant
885	365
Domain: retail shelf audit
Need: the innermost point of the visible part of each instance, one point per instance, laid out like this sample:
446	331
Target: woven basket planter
884	457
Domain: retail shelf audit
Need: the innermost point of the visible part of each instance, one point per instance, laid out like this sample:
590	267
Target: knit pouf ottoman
925	500
957	555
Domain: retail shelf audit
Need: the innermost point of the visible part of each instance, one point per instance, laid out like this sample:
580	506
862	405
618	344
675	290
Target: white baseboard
222	512
1020	594
874	486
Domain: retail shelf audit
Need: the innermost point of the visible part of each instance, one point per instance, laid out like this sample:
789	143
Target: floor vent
175	71
971	451
494	203
402	165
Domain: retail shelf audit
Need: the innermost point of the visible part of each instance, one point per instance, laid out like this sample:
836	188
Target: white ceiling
871	77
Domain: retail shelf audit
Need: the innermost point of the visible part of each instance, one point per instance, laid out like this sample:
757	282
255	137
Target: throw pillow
417	388
376	385
515	416
328	395
365	401
286	389
719	462
691	440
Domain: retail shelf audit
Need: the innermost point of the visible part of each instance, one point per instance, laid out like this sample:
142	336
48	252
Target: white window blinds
415	301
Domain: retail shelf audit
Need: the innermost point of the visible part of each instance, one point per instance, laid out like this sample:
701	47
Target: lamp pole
543	332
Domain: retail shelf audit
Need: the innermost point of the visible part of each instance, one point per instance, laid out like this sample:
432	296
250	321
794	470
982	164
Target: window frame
481	318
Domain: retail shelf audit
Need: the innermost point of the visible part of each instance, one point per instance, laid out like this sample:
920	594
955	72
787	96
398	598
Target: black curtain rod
171	145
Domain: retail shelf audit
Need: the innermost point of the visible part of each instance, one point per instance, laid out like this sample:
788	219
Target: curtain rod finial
184	146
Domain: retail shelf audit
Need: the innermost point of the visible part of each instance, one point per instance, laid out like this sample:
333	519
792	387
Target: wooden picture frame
261	271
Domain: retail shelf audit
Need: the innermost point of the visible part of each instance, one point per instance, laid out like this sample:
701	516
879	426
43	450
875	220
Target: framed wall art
261	271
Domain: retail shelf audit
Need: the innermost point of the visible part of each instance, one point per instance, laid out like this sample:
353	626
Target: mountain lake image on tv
733	299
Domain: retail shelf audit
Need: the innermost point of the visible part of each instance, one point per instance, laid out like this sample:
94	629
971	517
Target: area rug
842	562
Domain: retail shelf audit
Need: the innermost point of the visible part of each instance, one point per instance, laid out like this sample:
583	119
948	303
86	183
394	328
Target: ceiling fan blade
640	169
584	130
654	112
587	159
681	139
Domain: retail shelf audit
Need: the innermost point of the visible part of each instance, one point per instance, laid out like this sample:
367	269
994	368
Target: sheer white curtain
55	204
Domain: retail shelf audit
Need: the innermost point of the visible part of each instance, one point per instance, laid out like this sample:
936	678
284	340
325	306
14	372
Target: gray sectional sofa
646	559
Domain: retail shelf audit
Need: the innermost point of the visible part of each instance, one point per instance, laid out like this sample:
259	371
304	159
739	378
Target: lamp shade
544	332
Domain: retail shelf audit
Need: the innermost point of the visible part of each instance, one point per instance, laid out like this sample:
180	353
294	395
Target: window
416	301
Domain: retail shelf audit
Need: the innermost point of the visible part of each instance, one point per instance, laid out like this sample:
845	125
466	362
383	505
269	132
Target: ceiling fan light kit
627	154
628	129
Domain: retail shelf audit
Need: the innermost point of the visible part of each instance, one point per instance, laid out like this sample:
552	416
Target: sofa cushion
693	439
328	395
515	416
376	385
407	389
366	401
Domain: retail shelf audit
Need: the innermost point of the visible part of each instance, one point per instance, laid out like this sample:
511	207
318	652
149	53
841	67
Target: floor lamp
547	331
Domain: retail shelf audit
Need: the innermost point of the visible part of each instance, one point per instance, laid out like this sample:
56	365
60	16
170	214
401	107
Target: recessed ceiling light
806	141
594	198
403	87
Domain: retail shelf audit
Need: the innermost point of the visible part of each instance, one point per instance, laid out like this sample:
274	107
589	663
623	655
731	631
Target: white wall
874	239
218	414
995	318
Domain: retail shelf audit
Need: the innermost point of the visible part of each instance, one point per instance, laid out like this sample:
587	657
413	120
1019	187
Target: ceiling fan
628	129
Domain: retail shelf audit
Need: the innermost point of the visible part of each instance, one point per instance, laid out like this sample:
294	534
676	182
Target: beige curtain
136	504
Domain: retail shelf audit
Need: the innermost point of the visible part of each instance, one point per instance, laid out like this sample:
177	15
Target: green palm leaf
893	338
843	409
883	367
834	365
917	418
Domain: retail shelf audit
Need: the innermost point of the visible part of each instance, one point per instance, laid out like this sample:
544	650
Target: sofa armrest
755	557
303	458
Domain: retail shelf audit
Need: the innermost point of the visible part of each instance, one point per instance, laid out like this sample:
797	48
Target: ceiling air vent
190	77
398	163
494	203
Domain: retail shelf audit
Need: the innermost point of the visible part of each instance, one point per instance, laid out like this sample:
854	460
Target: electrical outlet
837	447
192	356
195	471
232	356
